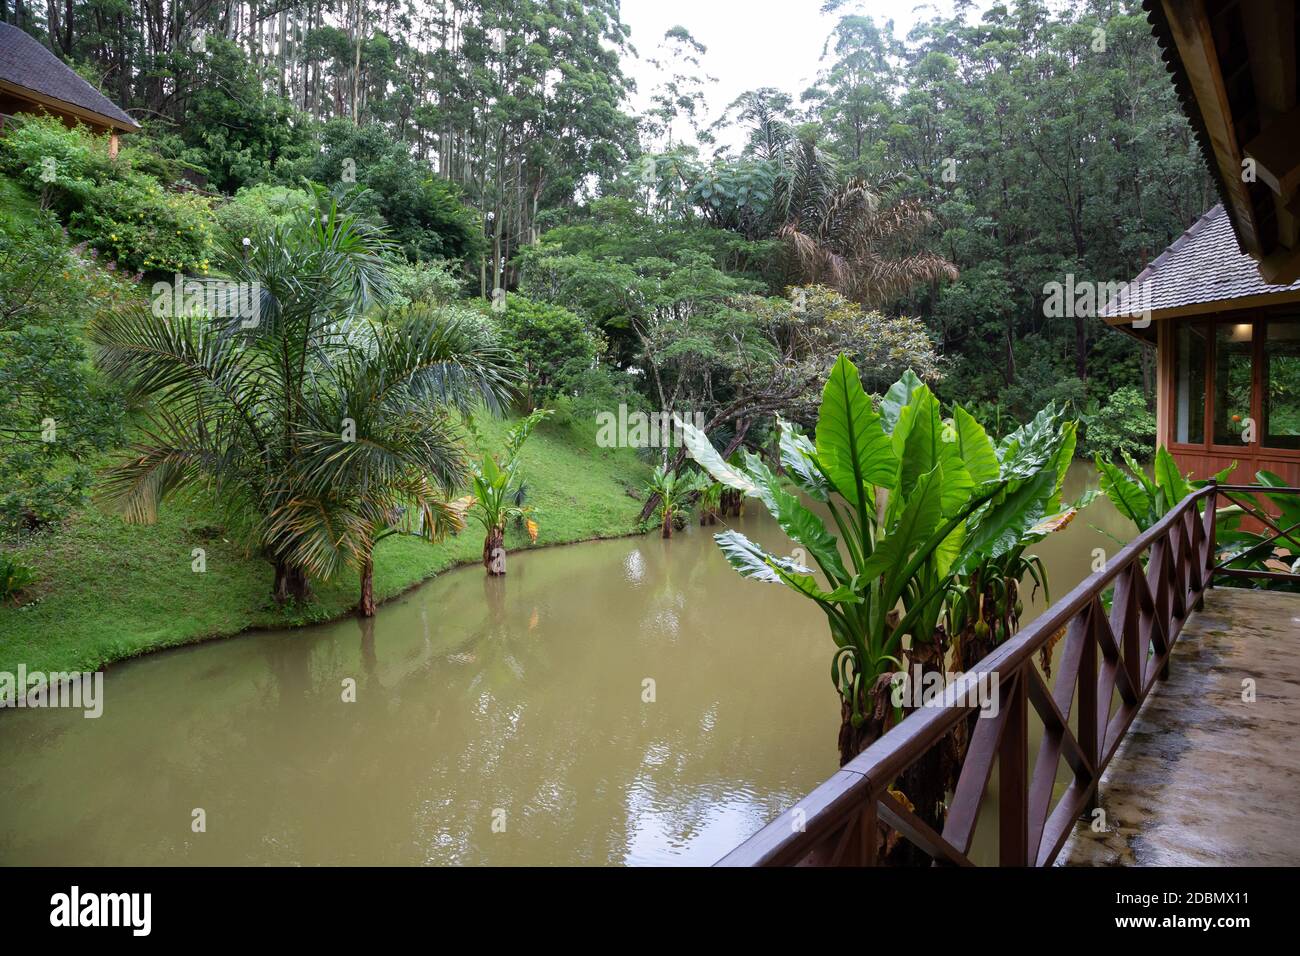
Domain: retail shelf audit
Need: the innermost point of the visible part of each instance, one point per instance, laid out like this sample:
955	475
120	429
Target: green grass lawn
108	590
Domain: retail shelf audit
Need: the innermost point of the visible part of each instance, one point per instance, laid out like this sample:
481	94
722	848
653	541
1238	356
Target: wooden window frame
1257	320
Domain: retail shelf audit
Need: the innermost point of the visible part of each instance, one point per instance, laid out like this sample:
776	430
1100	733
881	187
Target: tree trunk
366	607
854	740
291	584
925	782
667	528
494	552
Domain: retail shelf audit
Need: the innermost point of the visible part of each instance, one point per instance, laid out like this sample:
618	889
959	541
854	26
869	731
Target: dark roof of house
25	63
1203	265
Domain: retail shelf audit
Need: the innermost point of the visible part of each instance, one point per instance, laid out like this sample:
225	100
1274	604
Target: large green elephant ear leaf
977	449
1153	488
1028	450
921	443
706	456
1169	477
852	447
753	562
918	518
1007	523
1125	493
1064	457
1288	505
899	394
796	520
799	459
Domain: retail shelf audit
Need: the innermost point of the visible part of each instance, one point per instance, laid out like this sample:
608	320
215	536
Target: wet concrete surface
1208	776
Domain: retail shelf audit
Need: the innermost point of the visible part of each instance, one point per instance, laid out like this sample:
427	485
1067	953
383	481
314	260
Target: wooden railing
1108	665
1233	494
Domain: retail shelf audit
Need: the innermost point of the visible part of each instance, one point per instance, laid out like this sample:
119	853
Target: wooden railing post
1013	776
1211	529
1126	621
1087	709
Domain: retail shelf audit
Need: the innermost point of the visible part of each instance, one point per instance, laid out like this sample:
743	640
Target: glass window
1189	384
1234	349
1281	406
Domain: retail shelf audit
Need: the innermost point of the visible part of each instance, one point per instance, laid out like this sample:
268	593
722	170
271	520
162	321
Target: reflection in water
520	695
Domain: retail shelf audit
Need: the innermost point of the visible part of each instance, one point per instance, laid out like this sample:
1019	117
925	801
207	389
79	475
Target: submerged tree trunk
366	607
494	552
291	584
667	527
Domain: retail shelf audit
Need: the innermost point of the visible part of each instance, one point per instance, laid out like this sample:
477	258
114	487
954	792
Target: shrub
553	345
61	165
14	576
599	389
258	209
123	212
434	282
54	412
1123	426
137	224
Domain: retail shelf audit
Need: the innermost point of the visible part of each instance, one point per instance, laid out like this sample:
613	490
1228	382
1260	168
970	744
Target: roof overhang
55	105
1127	323
1234	67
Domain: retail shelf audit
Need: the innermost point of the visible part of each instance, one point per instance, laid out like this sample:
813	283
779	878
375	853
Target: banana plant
912	500
493	483
675	490
710	503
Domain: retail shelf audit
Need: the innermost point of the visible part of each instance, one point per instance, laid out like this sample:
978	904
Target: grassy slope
16	201
110	590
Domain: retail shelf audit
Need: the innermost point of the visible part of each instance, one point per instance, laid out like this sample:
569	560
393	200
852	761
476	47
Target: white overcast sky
754	43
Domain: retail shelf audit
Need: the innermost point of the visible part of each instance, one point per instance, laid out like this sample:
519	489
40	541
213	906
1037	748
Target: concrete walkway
1204	778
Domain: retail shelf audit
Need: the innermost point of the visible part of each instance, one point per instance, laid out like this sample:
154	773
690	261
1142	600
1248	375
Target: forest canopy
946	177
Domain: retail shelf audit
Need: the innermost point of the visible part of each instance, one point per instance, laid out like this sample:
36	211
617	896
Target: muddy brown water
495	722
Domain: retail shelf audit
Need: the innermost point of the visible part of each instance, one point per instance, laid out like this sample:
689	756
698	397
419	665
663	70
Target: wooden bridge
1168	735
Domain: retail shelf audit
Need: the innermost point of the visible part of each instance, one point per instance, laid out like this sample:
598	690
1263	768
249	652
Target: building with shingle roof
1203	271
34	80
1227	352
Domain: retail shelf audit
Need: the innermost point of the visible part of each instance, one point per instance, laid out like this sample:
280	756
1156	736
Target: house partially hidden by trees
34	80
1222	304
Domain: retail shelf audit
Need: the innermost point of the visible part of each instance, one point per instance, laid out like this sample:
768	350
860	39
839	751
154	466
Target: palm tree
496	484
841	234
395	465
311	426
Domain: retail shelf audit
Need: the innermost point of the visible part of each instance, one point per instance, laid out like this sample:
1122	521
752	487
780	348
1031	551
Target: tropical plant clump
677	492
917	504
496	482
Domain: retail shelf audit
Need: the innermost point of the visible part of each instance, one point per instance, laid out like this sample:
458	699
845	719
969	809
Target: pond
620	702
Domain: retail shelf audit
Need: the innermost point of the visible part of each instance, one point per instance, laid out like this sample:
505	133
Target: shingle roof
25	63
1203	265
